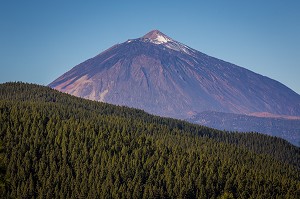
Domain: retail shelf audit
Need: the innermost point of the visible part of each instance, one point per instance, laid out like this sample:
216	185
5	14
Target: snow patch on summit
157	37
160	39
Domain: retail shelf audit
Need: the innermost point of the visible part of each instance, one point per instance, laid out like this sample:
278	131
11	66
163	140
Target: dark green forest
58	146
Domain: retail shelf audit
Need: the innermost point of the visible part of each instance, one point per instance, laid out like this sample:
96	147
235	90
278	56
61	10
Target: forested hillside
59	146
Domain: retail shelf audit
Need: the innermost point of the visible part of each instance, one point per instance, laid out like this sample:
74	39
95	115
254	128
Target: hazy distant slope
288	129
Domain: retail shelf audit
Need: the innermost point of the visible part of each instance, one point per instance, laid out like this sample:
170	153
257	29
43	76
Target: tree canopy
60	146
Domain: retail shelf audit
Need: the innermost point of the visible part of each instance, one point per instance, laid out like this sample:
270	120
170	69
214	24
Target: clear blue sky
40	40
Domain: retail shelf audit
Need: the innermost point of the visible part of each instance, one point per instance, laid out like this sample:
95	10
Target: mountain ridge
19	92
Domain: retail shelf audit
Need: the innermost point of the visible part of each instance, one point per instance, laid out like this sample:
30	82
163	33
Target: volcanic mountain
167	78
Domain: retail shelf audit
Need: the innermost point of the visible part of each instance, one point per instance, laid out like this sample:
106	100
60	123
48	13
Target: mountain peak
157	37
